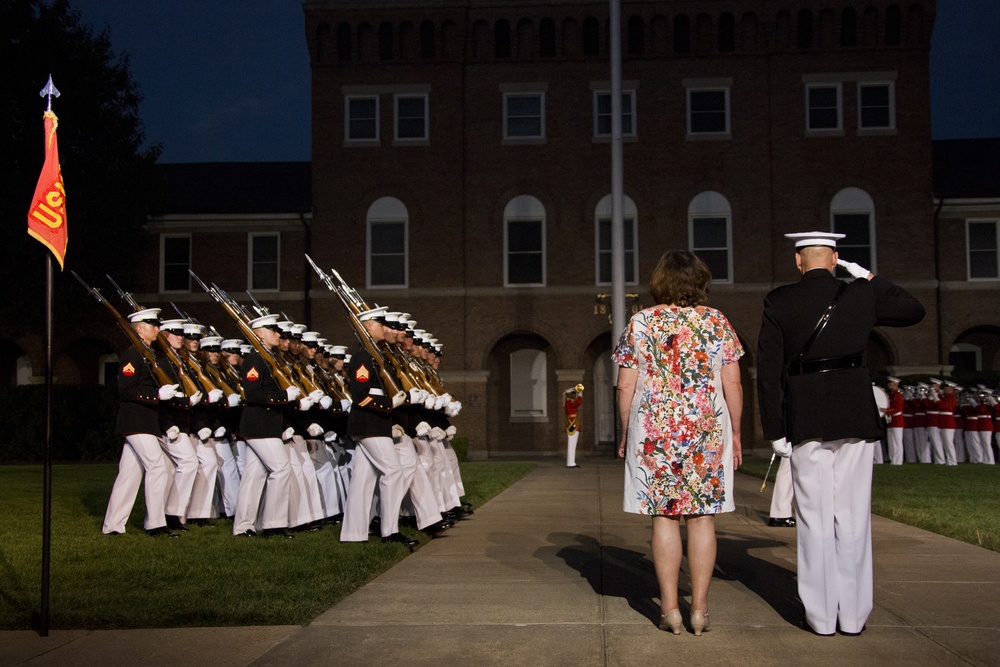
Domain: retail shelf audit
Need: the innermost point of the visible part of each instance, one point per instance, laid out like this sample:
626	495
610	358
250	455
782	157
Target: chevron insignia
252	374
361	375
128	370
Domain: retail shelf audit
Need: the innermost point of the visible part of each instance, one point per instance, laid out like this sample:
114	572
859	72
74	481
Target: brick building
461	172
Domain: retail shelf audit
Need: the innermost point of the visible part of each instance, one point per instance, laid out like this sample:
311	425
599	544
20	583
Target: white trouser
456	470
922	444
986	447
877	453
937	446
450	482
241	455
184	460
782	496
894	443
267	474
571	441
419	492
425	454
203	492
948	446
229	477
141	452
304	502
376	461
833	489
325	464
960	455
909	448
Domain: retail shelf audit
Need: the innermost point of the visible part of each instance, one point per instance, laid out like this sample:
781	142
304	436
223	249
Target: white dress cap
145	315
173	326
374	314
264	321
232	344
209	341
805	239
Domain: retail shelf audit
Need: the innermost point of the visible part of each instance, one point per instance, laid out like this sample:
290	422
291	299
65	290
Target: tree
107	172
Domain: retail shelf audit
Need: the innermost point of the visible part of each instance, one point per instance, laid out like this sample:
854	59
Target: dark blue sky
228	80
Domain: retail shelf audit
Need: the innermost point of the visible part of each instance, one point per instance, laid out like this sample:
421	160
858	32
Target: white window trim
597	248
891	85
406	252
526	139
968	249
506	251
871	232
824	131
631	112
250	237
347	120
163	238
724	134
395	125
729	242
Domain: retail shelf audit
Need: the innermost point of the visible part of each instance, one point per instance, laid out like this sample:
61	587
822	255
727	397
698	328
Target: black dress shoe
115	532
466	506
203	523
574	466
788	522
277	532
246	533
439	527
162	531
399	538
852	634
174	523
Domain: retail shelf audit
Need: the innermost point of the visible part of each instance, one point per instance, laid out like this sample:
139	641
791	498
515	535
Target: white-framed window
824	104
602	230
528	384
524	115
388	243
524	242
412	119
602	113
361	118
175	261
982	249
710	234
876	105
263	255
708	110
852	212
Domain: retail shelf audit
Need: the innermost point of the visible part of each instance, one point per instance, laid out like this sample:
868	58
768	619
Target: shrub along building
461	173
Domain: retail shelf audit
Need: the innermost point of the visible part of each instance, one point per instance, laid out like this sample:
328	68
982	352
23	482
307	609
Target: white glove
423	428
214	395
293	393
315	430
195	398
437	433
345	404
173	433
325	402
450	432
179	393
781	447
398	399
167	392
220	432
458	408
329	436
397	431
416	396
855	270
305	403
234	400
287	433
429	402
315	395
441	401
204	433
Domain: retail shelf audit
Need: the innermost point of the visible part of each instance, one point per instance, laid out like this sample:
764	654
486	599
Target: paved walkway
551	572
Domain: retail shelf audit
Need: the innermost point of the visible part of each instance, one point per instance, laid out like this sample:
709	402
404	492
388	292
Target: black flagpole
43	629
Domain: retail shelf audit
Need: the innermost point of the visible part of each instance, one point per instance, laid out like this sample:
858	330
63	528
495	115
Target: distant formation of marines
281	432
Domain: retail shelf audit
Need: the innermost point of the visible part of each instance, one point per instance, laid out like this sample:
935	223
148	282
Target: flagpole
43	629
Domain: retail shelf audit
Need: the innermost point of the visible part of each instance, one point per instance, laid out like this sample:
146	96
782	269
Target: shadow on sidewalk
772	582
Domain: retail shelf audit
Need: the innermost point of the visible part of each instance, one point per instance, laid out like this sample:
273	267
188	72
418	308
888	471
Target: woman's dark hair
681	279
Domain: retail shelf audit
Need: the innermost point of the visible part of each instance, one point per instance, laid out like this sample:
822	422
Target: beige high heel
699	622
671	621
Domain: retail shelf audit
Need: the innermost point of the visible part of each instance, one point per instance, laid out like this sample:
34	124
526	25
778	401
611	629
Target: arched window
602	230
591	37
547	38
682	34
385	41
524	242
849	27
387	246
710	233
852	212
528	383
636	45
344	42
804	30
893	26
480	32
427	40
501	39
727	32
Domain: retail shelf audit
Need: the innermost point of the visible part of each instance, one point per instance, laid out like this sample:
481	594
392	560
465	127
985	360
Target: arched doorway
524	409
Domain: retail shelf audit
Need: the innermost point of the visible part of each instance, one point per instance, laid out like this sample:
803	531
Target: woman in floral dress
681	398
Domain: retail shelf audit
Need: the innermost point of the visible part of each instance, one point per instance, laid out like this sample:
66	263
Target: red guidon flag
47	215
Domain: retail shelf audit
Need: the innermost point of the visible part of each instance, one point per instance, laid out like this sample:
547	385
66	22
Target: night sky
229	80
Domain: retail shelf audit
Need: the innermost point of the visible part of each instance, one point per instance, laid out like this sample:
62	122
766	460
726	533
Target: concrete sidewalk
552	572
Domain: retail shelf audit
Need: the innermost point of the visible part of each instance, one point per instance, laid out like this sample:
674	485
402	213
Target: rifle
159	373
362	334
186	381
295	365
242	319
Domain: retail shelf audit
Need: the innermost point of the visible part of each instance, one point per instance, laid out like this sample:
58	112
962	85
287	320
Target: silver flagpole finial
50	90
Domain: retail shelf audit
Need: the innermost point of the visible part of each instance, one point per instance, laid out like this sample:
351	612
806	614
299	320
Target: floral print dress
679	451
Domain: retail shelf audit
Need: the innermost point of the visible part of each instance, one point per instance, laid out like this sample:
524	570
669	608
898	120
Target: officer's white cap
264	321
935	381
246	349
339	351
210	342
151	315
173	326
376	313
310	338
192	329
232	344
805	239
892	379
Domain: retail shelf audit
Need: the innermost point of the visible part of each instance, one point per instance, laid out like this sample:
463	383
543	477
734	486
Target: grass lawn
205	578
960	501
